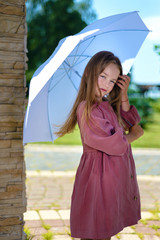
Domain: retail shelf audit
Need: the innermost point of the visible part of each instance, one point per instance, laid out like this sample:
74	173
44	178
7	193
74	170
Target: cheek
97	87
97	91
99	82
111	88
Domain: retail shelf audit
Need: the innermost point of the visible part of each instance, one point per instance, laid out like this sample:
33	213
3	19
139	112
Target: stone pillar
12	104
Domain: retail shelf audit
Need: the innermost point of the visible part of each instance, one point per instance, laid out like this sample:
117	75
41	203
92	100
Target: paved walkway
66	158
48	209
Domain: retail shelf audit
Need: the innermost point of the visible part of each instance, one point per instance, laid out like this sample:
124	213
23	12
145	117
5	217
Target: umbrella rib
85	48
82	60
69	76
92	38
56	83
85	57
68	64
75	55
80	55
73	69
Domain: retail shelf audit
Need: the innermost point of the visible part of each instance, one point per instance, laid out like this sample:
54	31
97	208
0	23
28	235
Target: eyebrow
108	75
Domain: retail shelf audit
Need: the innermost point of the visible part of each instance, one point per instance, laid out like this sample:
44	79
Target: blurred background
51	20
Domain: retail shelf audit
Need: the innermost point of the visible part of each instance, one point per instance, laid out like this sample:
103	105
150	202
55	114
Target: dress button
132	176
135	198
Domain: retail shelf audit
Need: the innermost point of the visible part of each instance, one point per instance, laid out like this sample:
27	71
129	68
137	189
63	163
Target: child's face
107	79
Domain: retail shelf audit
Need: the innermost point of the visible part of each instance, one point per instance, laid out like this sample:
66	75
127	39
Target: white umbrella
55	83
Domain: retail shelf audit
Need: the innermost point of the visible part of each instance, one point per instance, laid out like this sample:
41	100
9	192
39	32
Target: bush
144	107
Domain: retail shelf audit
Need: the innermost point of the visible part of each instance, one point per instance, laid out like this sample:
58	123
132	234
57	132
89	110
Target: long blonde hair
87	90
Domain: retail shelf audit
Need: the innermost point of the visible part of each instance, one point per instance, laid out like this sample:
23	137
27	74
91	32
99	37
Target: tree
157	49
138	99
48	22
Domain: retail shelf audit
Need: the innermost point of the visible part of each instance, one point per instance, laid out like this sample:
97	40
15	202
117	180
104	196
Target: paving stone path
49	194
66	158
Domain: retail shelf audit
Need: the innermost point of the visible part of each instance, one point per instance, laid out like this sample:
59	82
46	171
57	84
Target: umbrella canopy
55	83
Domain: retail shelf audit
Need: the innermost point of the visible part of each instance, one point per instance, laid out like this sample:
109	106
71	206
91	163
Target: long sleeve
100	134
130	117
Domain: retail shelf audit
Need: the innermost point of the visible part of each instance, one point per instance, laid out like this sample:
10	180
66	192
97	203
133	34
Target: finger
123	83
120	85
125	77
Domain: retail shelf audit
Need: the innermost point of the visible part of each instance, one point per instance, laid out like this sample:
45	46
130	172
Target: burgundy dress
105	197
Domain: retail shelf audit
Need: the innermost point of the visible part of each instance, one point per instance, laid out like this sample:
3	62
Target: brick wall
12	101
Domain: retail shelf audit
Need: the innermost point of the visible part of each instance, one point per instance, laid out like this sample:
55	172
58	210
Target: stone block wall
12	106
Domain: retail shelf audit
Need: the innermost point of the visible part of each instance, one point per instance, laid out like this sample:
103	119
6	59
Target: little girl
105	197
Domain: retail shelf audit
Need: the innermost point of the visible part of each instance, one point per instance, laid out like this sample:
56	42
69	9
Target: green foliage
155	227
49	21
143	104
156	211
27	231
47	227
48	236
150	139
70	139
157	49
156	105
144	108
144	221
140	235
149	110
55	21
118	236
86	11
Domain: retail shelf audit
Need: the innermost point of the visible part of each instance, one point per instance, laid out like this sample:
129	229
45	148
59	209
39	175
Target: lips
104	90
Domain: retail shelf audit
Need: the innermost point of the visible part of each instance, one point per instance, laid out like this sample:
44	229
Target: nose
107	83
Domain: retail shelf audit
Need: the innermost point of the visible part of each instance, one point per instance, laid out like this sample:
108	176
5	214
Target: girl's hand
135	132
123	83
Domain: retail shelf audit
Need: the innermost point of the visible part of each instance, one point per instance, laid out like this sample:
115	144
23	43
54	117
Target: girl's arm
128	113
135	132
98	133
123	83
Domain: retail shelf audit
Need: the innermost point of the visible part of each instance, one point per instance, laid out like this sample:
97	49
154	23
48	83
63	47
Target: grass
27	231
48	236
140	235
144	221
150	139
156	212
155	227
70	139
